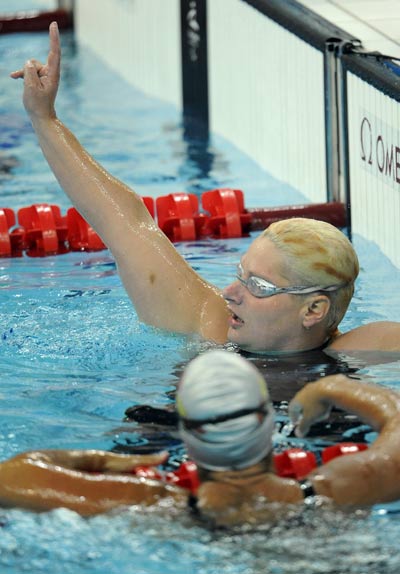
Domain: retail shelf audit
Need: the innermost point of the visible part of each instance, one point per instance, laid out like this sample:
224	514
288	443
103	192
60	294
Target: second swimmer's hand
117	463
41	80
308	407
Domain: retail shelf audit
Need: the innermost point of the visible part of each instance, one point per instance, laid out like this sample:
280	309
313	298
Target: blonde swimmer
293	285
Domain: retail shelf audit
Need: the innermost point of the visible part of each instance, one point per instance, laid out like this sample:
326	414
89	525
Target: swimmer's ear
315	310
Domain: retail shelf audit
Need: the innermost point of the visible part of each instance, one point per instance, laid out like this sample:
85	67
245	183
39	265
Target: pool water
73	355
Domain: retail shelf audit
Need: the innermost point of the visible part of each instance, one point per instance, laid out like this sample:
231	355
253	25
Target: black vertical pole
331	120
336	128
345	147
194	63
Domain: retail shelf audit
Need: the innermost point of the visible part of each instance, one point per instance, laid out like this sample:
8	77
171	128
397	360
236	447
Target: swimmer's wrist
46	126
307	488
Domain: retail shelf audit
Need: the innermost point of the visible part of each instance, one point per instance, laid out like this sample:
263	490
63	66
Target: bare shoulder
377	336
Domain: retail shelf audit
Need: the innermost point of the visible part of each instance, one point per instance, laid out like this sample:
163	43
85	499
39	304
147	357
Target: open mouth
235	319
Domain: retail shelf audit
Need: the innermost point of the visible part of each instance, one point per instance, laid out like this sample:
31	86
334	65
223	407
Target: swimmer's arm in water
164	289
97	460
86	482
375	405
360	479
366	477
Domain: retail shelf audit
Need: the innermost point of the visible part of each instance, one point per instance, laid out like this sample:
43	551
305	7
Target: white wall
139	39
374	146
266	90
266	95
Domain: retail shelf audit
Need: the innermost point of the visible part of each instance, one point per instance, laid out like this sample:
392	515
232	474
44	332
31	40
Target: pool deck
375	22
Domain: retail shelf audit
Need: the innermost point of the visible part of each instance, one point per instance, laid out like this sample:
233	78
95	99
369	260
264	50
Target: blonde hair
317	253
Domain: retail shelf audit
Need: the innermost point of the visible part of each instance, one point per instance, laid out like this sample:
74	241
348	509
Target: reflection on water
314	541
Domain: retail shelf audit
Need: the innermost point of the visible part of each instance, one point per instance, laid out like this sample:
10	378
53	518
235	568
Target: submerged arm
95	460
88	482
165	290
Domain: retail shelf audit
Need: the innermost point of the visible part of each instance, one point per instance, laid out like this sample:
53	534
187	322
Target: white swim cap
226	418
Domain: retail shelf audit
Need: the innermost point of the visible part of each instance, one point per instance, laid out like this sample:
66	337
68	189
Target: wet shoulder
377	336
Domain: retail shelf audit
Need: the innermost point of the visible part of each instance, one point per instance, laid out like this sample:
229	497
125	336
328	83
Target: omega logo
377	151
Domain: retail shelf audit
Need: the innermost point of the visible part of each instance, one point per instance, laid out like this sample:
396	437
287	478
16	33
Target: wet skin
273	323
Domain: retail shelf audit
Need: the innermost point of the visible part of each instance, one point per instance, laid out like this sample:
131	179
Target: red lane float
340	449
292	463
80	236
228	217
179	218
225	216
43	230
34	21
298	463
185	476
7	220
149	203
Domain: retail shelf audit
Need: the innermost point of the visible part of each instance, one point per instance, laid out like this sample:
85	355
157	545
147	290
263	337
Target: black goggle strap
192	424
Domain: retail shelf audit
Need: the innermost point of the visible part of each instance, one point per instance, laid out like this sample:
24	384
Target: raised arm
367	477
164	289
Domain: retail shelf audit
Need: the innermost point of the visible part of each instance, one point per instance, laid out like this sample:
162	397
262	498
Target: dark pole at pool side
336	124
194	67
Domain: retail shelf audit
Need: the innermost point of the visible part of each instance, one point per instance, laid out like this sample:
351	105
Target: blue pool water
73	356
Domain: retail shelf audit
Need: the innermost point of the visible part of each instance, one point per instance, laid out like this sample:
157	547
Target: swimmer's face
264	324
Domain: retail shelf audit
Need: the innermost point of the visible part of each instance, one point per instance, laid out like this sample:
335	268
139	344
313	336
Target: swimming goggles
193	424
261	288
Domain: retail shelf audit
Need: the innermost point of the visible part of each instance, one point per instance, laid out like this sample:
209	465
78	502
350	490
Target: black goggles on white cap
193	424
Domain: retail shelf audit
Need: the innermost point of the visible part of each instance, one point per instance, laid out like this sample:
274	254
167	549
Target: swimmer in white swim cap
226	418
226	422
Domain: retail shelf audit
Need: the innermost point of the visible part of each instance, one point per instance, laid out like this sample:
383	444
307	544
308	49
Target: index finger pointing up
54	57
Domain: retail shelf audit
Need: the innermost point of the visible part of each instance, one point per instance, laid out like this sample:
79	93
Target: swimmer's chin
234	339
241	346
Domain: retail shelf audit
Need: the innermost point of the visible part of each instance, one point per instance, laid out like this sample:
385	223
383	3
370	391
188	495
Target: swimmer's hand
41	80
308	406
151	415
121	463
